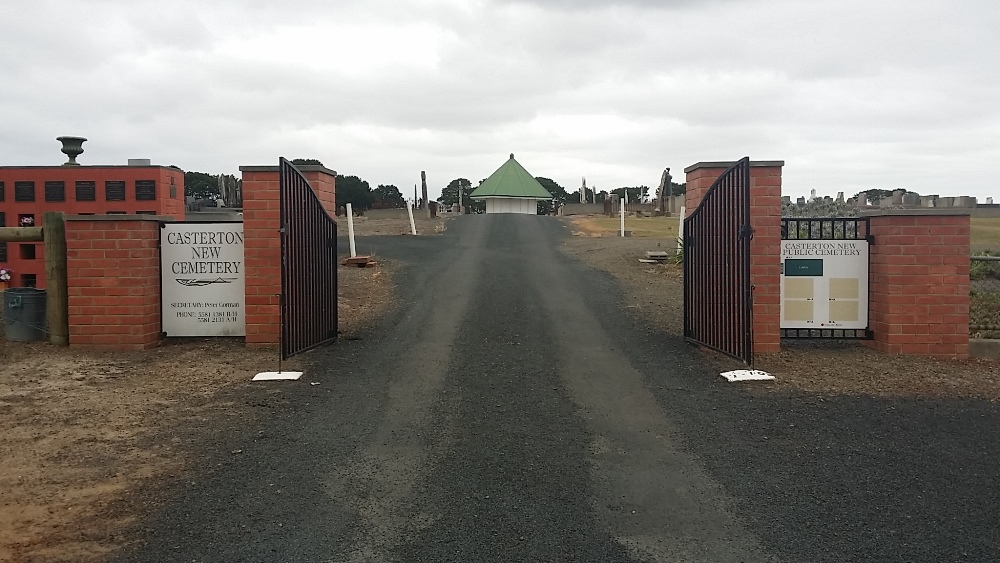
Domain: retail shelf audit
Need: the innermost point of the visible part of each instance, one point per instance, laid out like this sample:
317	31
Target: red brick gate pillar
765	247
919	281
262	244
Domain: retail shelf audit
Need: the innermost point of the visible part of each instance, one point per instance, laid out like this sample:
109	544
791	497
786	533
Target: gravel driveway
510	409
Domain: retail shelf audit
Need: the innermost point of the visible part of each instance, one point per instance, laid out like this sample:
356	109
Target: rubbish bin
24	314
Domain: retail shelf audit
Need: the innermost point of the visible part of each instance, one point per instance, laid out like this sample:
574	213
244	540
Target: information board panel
824	284
203	285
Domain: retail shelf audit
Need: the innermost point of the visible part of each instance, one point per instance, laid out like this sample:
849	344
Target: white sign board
202	279
824	284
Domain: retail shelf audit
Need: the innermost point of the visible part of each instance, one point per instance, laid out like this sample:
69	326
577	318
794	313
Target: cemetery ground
84	431
92	437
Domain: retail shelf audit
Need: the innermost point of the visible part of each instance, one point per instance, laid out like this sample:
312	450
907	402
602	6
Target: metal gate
718	300
308	266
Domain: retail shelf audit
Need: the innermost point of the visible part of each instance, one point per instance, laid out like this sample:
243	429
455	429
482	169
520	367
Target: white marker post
350	229
680	232
621	206
409	211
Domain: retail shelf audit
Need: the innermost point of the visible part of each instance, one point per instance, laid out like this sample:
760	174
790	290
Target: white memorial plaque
202	279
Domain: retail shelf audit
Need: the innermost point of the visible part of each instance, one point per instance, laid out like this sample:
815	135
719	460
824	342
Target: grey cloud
895	96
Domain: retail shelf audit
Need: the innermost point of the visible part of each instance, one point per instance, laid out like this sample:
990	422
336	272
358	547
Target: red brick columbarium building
28	191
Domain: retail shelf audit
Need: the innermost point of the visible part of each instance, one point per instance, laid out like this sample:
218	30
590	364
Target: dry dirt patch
364	226
654	292
82	430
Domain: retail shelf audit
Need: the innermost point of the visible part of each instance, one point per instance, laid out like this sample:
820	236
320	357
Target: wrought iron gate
308	266
718	300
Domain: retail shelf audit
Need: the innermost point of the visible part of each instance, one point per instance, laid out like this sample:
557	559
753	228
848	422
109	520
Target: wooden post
57	293
409	211
350	230
20	234
621	211
53	234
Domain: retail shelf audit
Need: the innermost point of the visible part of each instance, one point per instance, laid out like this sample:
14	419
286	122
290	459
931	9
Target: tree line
359	193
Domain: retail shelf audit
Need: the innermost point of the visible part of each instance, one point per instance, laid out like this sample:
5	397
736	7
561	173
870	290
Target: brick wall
765	247
919	282
262	244
113	270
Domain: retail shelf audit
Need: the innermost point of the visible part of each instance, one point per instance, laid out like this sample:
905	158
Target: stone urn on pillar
72	147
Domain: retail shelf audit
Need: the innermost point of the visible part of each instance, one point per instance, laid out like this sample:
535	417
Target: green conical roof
511	180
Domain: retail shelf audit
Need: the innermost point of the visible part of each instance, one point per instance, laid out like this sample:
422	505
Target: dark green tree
678	189
636	193
449	195
306	161
387	197
200	184
558	192
354	190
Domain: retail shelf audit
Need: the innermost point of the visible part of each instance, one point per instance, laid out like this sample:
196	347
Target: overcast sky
851	94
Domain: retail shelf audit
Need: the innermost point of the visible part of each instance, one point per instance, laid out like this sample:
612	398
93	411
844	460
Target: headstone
897	197
945	202
800	201
966	201
840	197
812	194
786	199
989	201
928	200
911	200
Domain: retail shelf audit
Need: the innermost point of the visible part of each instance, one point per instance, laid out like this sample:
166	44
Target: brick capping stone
721	164
301	168
120	217
919	211
90	167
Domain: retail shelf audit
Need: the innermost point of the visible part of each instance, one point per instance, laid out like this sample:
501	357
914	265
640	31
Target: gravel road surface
510	409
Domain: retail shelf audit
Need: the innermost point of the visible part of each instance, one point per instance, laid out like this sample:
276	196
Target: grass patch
646	227
985	233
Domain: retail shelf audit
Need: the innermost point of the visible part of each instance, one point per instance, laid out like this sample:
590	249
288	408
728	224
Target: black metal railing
984	296
308	266
824	228
717	294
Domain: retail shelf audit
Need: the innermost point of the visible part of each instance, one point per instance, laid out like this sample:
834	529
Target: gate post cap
727	164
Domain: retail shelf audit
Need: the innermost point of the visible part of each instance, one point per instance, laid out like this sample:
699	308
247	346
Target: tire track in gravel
378	483
653	496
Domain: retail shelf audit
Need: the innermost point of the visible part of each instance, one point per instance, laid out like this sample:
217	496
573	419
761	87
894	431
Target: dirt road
510	410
